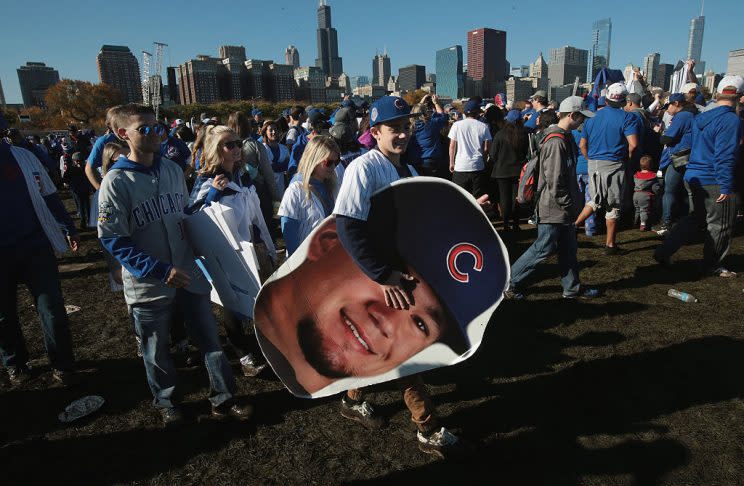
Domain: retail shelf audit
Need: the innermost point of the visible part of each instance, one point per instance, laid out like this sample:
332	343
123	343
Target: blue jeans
82	202
550	238
37	268
673	197
589	226
152	322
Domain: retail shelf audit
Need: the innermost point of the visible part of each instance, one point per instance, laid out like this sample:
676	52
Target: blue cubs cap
387	109
676	97
472	106
513	116
457	253
256	111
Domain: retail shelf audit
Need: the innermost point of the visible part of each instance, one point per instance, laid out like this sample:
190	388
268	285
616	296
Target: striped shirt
365	176
308	213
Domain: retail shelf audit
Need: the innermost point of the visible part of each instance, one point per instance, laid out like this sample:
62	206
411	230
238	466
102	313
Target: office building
328	60
487	67
259	79
172	78
539	73
664	75
292	57
370	92
283	85
451	83
650	68
695	43
710	80
357	81
599	53
234	83
235	52
519	89
118	68
735	62
560	93
520	71
411	78
381	69
392	85
35	78
198	80
566	64
310	84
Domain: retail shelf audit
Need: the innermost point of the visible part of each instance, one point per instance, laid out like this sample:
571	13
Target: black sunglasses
233	144
148	129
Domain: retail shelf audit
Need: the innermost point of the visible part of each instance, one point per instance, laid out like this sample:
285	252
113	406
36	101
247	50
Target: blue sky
68	35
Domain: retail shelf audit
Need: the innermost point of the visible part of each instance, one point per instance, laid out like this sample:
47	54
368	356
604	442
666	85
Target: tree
81	101
414	97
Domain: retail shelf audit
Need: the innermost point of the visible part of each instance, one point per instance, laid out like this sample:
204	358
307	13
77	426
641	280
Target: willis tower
328	59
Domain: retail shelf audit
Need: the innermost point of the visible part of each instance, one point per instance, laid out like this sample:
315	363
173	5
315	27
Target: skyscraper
599	53
450	83
198	80
328	59
35	78
411	77
292	57
118	67
487	67
736	62
235	52
170	73
566	63
381	69
310	81
695	42
651	68
664	75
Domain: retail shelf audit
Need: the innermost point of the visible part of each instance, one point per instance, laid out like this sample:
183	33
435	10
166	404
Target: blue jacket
715	147
677	137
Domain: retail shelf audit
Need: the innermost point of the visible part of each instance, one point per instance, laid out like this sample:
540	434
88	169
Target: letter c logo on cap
458	250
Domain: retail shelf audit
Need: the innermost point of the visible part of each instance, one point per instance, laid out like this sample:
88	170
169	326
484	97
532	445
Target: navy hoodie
715	145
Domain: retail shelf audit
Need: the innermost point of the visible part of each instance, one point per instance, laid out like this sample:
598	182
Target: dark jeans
476	183
507	188
551	238
82	202
673	202
37	269
434	168
715	219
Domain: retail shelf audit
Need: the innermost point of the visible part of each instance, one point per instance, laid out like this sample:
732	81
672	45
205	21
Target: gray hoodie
559	200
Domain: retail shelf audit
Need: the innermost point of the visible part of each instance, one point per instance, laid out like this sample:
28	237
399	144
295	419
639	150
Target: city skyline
357	43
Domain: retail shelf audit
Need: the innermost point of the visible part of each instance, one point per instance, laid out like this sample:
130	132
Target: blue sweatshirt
715	146
677	137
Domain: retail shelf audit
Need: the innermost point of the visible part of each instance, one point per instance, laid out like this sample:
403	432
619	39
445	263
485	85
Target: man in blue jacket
709	180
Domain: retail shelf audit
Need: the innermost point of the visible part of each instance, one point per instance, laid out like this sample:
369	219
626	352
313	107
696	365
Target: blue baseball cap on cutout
463	260
387	109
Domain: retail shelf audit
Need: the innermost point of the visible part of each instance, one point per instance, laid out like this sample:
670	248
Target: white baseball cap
687	87
574	104
731	85
616	92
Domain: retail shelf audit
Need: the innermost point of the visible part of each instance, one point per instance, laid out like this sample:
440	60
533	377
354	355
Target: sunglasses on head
148	129
233	144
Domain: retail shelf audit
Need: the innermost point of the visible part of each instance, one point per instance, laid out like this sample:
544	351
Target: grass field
631	388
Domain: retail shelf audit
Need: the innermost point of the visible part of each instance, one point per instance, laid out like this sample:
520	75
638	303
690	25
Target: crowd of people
638	160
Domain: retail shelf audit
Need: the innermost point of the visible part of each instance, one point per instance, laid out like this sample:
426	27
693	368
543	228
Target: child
111	153
646	186
140	213
75	178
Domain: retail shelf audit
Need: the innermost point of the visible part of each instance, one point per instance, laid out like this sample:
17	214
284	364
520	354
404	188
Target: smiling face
137	134
393	137
339	324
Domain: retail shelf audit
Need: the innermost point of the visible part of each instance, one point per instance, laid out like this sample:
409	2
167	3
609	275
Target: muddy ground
631	388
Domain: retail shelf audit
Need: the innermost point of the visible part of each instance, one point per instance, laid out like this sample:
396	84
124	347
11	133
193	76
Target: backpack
529	175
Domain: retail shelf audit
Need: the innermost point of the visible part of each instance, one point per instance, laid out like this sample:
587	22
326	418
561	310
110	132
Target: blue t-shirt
581	164
95	159
426	140
605	133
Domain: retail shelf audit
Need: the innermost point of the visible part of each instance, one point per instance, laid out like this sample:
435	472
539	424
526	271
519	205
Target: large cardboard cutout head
324	325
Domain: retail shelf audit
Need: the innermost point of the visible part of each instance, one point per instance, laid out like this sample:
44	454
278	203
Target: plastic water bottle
683	296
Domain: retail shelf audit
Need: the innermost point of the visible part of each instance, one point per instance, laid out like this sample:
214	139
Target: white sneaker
441	443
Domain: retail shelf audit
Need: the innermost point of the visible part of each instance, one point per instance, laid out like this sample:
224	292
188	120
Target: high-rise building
292	57
172	79
234	83
539	73
566	63
35	78
710	80
520	71
449	73
695	42
344	82
650	67
118	68
487	67
392	85
735	62
310	81
599	53
235	52
198	80
2	95
380	69
259	79
519	89
411	77
327	59
358	81
664	75
283	82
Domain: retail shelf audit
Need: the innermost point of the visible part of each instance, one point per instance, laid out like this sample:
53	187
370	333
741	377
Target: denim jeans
37	268
673	195
152	322
589	226
551	238
82	202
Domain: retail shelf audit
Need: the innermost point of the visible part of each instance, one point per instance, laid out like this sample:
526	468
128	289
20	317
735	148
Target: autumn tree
81	101
414	97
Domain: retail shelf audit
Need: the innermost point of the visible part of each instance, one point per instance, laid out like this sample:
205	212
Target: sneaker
724	273
513	295
251	365
532	222
361	412
441	443
18	375
66	378
662	229
584	295
171	416
232	409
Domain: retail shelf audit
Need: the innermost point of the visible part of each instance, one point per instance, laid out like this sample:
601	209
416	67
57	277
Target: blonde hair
109	150
212	153
318	149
